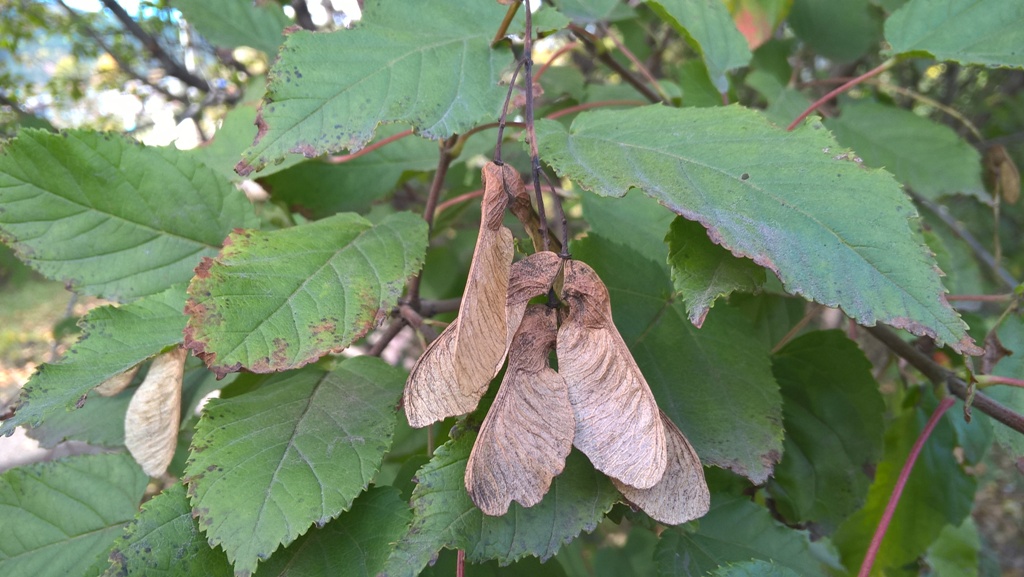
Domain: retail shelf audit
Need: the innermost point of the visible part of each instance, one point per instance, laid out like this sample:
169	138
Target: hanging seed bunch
597	400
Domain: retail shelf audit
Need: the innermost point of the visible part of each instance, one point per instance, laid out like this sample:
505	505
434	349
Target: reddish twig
589	105
558	53
980	298
841	89
460	564
901	482
458	199
987	380
368	149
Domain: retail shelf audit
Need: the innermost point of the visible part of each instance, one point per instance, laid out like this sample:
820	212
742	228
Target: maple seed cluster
597	400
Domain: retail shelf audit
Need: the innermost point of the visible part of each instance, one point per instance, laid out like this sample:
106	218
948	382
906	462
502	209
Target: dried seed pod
522	207
528	432
154	413
530	277
618	424
117	383
454	371
682	494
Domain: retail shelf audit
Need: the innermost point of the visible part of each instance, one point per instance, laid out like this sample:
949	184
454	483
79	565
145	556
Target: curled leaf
528	432
618	424
154	413
682	494
453	373
117	383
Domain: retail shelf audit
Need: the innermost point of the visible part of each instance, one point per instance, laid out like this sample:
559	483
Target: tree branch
588	41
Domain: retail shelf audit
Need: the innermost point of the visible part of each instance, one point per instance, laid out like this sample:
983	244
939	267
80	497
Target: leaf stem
941	376
567	47
981	298
841	89
589	105
458	199
901	482
988	380
505	22
460	563
368	149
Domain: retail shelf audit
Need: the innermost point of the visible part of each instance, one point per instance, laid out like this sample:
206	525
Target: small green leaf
833	418
843	30
707	25
115	340
938	493
757	568
928	157
715	382
61	517
110	217
444	515
703	271
231	23
279	300
165	539
356	544
831	230
296	451
734	531
419	63
955	552
987	32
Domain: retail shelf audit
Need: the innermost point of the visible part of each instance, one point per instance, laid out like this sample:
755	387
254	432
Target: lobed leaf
110	217
272	301
707	25
114	340
444	515
830	229
60	517
986	32
231	23
420	63
267	464
833	415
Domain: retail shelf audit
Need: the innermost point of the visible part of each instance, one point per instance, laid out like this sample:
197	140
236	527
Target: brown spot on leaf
203	269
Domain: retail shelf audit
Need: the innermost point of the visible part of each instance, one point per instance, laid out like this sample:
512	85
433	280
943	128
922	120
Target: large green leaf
635	220
703	271
278	300
989	32
839	30
734	530
356	544
928	157
832	230
709	27
296	451
61	517
833	417
444	515
110	217
715	382
420	63
233	23
115	339
164	539
938	493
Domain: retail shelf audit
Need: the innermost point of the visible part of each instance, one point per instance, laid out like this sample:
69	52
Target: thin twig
988	380
799	326
531	130
941	376
505	22
589	41
502	120
901	482
457	200
832	94
640	67
386	337
370	148
564	253
443	162
589	105
460	563
569	46
981	298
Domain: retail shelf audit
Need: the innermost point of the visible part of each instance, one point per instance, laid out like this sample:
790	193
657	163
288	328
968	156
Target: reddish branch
841	89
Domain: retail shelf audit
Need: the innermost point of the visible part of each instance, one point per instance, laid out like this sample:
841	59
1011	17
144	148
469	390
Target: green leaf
356	544
831	230
267	464
444	515
319	189
236	133
703	271
232	23
833	418
419	63
110	217
715	382
955	552
928	157
1011	334
707	25
837	30
987	32
758	568
938	493
592	11
60	517
734	531
115	340
165	539
635	220
278	300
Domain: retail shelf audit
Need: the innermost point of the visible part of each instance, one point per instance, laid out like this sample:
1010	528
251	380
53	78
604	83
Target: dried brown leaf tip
529	429
154	413
453	373
618	424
